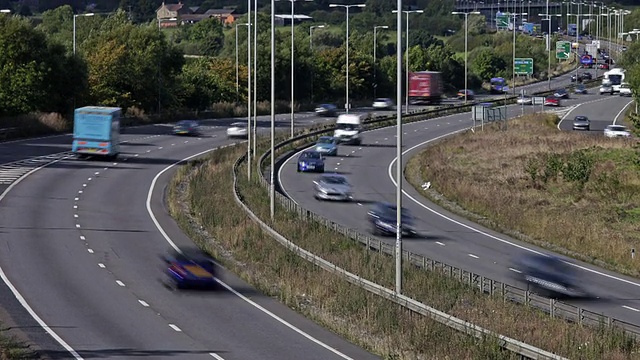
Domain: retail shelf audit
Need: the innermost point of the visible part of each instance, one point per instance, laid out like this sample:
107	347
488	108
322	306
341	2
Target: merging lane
81	249
445	236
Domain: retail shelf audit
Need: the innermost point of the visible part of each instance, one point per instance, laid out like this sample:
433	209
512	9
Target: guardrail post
526	297
552	307
579	315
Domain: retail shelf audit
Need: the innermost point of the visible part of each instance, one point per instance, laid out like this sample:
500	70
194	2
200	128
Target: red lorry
425	87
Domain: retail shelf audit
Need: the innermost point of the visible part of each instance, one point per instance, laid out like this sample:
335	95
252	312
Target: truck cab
349	129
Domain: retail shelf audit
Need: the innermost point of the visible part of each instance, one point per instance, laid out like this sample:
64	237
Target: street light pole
74	27
272	188
466	35
249	90
237	69
347	7
375	48
513	62
255	77
406	71
398	251
549	43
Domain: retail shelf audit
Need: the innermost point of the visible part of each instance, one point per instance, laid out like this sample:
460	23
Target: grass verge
377	325
574	193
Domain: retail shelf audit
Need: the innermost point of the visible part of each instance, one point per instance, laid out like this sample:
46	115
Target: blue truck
572	29
96	131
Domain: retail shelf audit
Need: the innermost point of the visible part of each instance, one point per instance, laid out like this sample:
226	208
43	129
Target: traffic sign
502	21
523	66
563	49
628	38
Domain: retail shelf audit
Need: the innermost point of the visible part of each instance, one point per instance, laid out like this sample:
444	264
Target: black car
587	76
326	110
186	127
561	94
382	217
549	276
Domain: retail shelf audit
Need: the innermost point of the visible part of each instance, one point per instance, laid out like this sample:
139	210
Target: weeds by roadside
364	319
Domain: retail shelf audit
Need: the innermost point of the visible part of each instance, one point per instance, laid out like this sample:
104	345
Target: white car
383	103
625	89
612	131
525	100
606	89
238	129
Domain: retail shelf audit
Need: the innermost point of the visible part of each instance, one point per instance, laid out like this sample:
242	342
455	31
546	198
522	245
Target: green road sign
563	49
523	66
502	21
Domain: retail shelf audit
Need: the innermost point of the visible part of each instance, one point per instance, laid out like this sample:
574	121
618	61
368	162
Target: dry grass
571	192
377	325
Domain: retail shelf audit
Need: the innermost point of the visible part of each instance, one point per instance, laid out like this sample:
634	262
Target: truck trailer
425	87
96	131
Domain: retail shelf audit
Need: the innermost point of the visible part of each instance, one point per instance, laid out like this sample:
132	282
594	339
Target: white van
349	129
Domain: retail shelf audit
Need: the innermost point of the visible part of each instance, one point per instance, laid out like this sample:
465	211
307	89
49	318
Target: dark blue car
190	269
382	217
549	276
310	161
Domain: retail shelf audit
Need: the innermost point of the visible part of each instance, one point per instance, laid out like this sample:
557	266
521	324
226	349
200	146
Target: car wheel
298	168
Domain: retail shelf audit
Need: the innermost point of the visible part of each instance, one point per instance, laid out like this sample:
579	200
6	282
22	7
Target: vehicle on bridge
96	131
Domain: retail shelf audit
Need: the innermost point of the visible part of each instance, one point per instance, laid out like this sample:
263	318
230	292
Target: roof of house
172	7
219	11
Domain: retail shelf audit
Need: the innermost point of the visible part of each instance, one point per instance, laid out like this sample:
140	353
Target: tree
486	64
207	81
208	36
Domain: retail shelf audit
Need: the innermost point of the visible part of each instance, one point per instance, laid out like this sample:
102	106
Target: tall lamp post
237	70
311	50
272	187
466	35
548	17
375	48
347	7
249	90
406	71
513	62
255	78
74	27
398	251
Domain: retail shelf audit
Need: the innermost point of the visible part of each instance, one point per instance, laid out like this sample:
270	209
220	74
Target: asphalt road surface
445	236
81	249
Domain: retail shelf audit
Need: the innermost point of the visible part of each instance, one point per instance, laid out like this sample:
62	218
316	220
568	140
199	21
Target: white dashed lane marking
120	283
630	308
474	256
101	265
174	327
143	303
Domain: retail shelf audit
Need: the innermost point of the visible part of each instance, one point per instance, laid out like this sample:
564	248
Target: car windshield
239	125
347	127
581	118
183	123
617	128
326	140
334	180
326	106
382	100
390	211
311	155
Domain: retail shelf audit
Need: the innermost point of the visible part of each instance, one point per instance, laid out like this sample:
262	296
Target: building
226	16
173	14
283	20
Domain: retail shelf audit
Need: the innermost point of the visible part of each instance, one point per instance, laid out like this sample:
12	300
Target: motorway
445	236
81	251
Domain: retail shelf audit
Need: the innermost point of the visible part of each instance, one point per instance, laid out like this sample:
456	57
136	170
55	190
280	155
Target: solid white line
229	288
615	119
174	327
216	356
390	173
514	270
440	243
630	308
474	256
573	107
15	291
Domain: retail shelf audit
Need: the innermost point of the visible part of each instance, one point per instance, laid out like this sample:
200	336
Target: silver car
581	122
332	187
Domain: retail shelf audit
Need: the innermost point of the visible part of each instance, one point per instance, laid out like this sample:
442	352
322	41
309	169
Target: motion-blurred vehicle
329	110
310	161
561	93
332	187
551	101
469	93
613	131
327	145
186	127
348	129
238	130
425	87
549	275
603	66
587	76
524	100
580	89
190	269
581	122
606	88
382	218
383	104
625	89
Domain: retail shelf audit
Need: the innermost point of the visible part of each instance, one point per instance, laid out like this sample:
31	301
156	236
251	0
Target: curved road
81	249
445	236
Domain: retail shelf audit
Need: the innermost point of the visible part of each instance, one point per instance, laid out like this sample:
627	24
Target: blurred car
238	130
186	127
327	110
606	89
551	101
561	93
525	100
549	275
190	269
332	187
612	131
587	76
603	66
625	89
469	93
383	103
581	122
327	145
310	161
382	218
580	89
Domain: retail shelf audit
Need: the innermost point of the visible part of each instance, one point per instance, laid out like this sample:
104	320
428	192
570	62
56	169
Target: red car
552	101
603	66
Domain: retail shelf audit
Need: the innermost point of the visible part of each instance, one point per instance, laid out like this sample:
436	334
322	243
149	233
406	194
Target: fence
552	307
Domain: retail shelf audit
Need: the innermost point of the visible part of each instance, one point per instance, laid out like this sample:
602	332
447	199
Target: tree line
120	63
